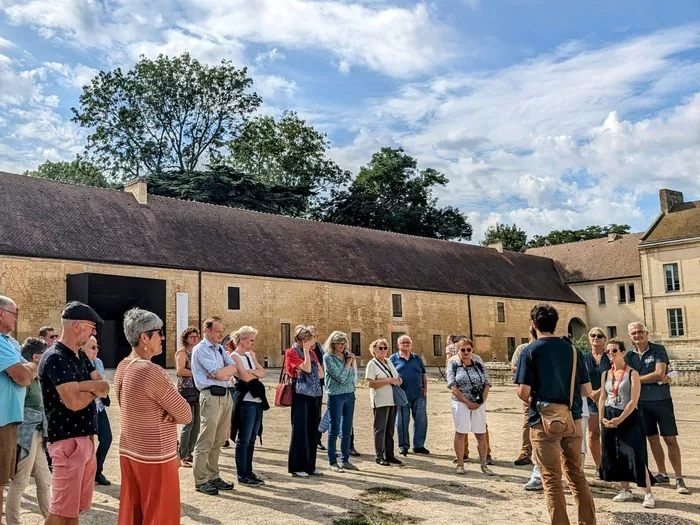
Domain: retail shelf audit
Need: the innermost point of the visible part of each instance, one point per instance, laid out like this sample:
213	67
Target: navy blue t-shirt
545	366
411	370
646	364
595	371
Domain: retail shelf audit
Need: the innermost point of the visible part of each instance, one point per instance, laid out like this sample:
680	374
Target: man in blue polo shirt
16	374
415	383
655	403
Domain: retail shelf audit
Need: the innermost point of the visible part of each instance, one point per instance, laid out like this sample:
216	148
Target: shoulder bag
283	394
557	419
400	399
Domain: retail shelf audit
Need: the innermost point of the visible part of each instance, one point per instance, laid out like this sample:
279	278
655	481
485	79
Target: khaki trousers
214	427
550	453
34	464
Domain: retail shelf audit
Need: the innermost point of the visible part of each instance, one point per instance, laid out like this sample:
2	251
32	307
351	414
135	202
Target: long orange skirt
150	493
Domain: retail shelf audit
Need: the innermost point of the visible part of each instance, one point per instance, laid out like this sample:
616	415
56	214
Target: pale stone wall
657	301
613	313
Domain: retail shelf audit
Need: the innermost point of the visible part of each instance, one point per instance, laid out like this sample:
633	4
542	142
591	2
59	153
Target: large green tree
164	114
512	237
226	186
391	194
77	171
565	236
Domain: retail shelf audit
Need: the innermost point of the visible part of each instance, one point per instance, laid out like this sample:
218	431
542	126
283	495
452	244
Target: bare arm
524	393
486	393
306	365
602	397
259	371
22	373
657	375
586	390
181	365
242	373
76	396
225	373
379	383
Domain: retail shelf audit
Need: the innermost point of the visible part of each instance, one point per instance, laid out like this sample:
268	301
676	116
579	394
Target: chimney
498	246
139	189
612	237
670	200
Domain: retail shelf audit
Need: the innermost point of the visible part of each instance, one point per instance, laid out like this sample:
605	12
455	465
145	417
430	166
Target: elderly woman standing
306	372
470	385
151	409
381	375
340	386
187	389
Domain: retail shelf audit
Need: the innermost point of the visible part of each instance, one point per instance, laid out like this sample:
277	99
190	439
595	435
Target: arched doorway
577	329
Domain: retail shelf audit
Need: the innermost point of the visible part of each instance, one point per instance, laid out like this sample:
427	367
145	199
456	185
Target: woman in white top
381	375
249	415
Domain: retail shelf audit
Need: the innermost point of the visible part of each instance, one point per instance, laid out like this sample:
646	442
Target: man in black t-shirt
544	376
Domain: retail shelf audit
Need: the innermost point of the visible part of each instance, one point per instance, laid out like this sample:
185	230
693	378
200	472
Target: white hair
5	302
404	338
637	323
244	332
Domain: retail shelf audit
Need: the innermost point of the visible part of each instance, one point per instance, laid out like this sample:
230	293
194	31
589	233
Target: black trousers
384	425
104	435
305	420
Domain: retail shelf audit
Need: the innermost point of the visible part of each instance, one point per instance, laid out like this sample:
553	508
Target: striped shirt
145	395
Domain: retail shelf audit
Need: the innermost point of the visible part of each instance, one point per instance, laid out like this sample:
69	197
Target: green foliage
565	236
287	152
163	114
512	237
581	344
391	194
226	186
384	494
77	171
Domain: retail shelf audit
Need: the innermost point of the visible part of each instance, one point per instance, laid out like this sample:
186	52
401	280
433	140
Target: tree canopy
512	237
77	171
565	236
391	194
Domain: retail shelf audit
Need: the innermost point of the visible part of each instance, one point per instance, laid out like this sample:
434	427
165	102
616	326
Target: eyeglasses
596	336
466	350
10	311
150	332
382	348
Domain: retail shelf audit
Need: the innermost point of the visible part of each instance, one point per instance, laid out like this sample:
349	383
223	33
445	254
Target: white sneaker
649	501
300	474
533	485
459	470
624	495
337	468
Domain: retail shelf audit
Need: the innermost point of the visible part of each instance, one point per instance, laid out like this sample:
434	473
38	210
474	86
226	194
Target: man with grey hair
651	361
415	383
70	384
16	374
212	369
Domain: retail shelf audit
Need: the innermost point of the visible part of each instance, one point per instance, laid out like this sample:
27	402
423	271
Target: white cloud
271	86
5	43
75	76
269	56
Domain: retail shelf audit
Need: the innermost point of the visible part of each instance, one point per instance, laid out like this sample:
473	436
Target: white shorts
466	420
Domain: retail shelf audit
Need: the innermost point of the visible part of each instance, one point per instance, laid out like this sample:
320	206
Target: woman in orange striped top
151	409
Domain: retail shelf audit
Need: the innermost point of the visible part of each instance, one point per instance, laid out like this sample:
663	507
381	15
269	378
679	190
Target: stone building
606	274
187	261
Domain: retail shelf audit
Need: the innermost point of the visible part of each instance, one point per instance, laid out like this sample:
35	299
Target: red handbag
283	395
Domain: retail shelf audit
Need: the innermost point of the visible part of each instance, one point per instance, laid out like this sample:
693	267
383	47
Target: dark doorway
111	296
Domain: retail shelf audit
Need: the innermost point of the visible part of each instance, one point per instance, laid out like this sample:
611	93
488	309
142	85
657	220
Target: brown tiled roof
50	219
683	222
595	260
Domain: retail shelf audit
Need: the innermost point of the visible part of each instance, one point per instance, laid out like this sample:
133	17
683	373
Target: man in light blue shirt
16	374
212	369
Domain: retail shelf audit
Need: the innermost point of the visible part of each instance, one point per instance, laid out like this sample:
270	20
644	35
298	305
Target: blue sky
548	114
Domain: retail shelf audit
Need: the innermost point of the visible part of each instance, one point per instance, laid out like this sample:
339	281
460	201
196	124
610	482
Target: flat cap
77	311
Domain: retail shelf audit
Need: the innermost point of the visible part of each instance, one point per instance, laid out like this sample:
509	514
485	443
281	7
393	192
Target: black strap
387	371
250	365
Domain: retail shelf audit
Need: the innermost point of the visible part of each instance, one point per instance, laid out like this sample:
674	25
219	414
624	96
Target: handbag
400	398
283	394
557	419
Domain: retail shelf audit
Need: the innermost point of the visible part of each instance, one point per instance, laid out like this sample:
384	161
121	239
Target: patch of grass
384	494
374	517
356	519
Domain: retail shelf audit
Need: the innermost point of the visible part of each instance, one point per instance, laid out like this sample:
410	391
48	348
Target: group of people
54	393
617	398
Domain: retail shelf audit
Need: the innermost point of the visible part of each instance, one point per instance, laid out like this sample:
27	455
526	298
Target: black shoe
395	461
524	459
257	478
421	450
320	447
349	466
227	444
221	484
662	478
248	481
489	461
207	488
381	462
354	453
101	480
404	452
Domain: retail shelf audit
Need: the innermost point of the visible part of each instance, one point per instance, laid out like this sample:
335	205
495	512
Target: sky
546	114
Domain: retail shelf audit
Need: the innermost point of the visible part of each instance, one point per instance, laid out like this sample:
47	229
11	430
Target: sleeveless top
624	393
185	384
248	364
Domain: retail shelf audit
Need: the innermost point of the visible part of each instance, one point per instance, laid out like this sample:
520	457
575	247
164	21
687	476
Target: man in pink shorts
70	384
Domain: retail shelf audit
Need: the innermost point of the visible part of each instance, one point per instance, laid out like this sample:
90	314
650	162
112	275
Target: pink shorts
74	469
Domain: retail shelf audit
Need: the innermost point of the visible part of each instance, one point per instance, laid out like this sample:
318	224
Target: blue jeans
251	418
418	408
341	408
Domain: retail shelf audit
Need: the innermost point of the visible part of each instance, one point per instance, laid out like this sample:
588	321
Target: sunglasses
466	350
382	348
597	336
92	348
158	330
614	350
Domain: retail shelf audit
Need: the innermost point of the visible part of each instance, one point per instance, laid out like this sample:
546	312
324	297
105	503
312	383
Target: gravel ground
425	490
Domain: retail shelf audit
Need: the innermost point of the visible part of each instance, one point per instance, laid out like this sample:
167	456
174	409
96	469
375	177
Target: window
437	345
631	295
524	340
501	312
285	338
673	281
396	306
675	322
601	296
234	298
395	341
355	343
612	332
621	294
511	347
